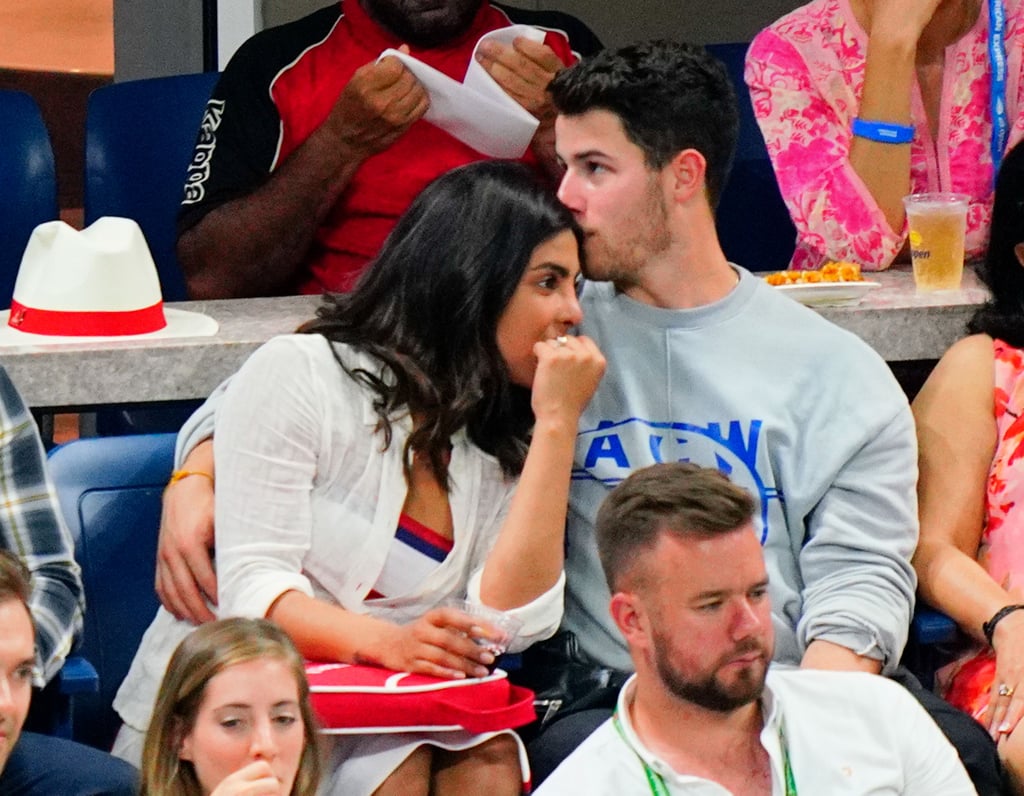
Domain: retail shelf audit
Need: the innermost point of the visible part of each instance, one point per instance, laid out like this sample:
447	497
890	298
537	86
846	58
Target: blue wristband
883	132
997	58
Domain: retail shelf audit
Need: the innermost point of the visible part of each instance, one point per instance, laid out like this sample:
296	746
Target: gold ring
1004	690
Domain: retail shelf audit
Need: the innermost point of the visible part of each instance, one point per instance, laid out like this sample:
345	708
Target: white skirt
358	764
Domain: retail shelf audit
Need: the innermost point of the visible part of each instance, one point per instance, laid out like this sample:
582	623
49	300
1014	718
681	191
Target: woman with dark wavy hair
413	444
970	560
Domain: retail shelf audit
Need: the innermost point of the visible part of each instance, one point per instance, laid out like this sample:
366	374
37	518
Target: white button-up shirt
846	732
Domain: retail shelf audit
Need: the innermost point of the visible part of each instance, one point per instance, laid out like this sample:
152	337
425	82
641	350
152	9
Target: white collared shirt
847	733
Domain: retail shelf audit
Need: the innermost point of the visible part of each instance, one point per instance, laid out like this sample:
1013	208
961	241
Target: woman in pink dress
970	420
862	102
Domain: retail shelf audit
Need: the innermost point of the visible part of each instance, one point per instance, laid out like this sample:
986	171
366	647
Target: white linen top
847	733
308	500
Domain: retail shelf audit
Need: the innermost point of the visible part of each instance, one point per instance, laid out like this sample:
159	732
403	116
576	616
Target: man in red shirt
310	149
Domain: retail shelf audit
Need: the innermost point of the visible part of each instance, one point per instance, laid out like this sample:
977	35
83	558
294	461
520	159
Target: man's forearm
199	427
822	654
56	608
254	245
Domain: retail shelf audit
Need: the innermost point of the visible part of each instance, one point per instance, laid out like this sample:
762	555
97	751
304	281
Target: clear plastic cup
937	224
505	622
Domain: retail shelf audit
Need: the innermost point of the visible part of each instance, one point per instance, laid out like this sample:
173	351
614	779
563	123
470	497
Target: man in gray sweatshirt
708	364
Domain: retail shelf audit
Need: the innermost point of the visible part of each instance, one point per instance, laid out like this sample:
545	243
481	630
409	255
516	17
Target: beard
644	235
423	23
709	692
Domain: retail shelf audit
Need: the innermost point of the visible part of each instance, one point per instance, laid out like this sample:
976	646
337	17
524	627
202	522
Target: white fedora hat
99	283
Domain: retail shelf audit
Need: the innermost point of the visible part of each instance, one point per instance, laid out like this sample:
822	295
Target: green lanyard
787	768
657	783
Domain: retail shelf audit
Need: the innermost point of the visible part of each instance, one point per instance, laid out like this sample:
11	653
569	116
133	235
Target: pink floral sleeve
806	74
808	140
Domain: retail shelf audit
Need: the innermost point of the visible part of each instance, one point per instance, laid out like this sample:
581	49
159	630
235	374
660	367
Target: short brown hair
678	498
15	579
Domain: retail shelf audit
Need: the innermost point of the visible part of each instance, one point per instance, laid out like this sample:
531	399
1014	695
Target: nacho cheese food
829	272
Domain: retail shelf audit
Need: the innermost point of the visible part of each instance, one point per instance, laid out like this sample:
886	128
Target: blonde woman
233	717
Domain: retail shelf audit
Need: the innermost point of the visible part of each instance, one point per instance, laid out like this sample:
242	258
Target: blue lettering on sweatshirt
614	449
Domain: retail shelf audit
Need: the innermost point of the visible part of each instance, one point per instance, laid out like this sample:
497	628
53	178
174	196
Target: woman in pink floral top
901	62
970	425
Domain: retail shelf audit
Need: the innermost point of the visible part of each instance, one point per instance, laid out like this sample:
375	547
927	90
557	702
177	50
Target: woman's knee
494	762
501	750
412	777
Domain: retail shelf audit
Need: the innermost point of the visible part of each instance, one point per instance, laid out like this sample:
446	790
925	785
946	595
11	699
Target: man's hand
381	101
826	655
524	71
185	579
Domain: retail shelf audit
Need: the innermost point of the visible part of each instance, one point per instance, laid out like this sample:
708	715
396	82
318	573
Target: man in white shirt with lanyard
705	713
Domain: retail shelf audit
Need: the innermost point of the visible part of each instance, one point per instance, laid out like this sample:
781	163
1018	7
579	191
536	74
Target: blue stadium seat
28	182
139	137
934	638
754	226
77	676
110	491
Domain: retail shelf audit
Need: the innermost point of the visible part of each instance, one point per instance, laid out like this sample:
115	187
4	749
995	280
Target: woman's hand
568	371
440	643
905	18
255	779
1006	710
900	32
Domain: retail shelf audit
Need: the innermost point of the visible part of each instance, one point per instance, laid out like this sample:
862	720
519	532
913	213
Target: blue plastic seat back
28	182
110	491
934	641
139	137
754	226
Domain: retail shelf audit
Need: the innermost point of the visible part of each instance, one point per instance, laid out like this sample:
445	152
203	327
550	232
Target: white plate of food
828	294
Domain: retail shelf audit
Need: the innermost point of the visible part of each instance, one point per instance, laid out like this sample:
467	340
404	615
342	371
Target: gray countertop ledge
895	320
902	324
82	375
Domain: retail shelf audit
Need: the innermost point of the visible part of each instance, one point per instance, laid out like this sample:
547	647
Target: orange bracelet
177	475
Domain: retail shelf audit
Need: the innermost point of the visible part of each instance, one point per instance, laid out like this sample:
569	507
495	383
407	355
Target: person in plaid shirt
32	527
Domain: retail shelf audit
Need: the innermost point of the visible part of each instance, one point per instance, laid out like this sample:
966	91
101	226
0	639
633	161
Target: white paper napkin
477	111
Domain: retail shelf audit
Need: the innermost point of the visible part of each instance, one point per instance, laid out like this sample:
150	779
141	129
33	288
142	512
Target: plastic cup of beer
937	223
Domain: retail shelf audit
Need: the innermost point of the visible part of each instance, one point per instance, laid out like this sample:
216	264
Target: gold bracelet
177	475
